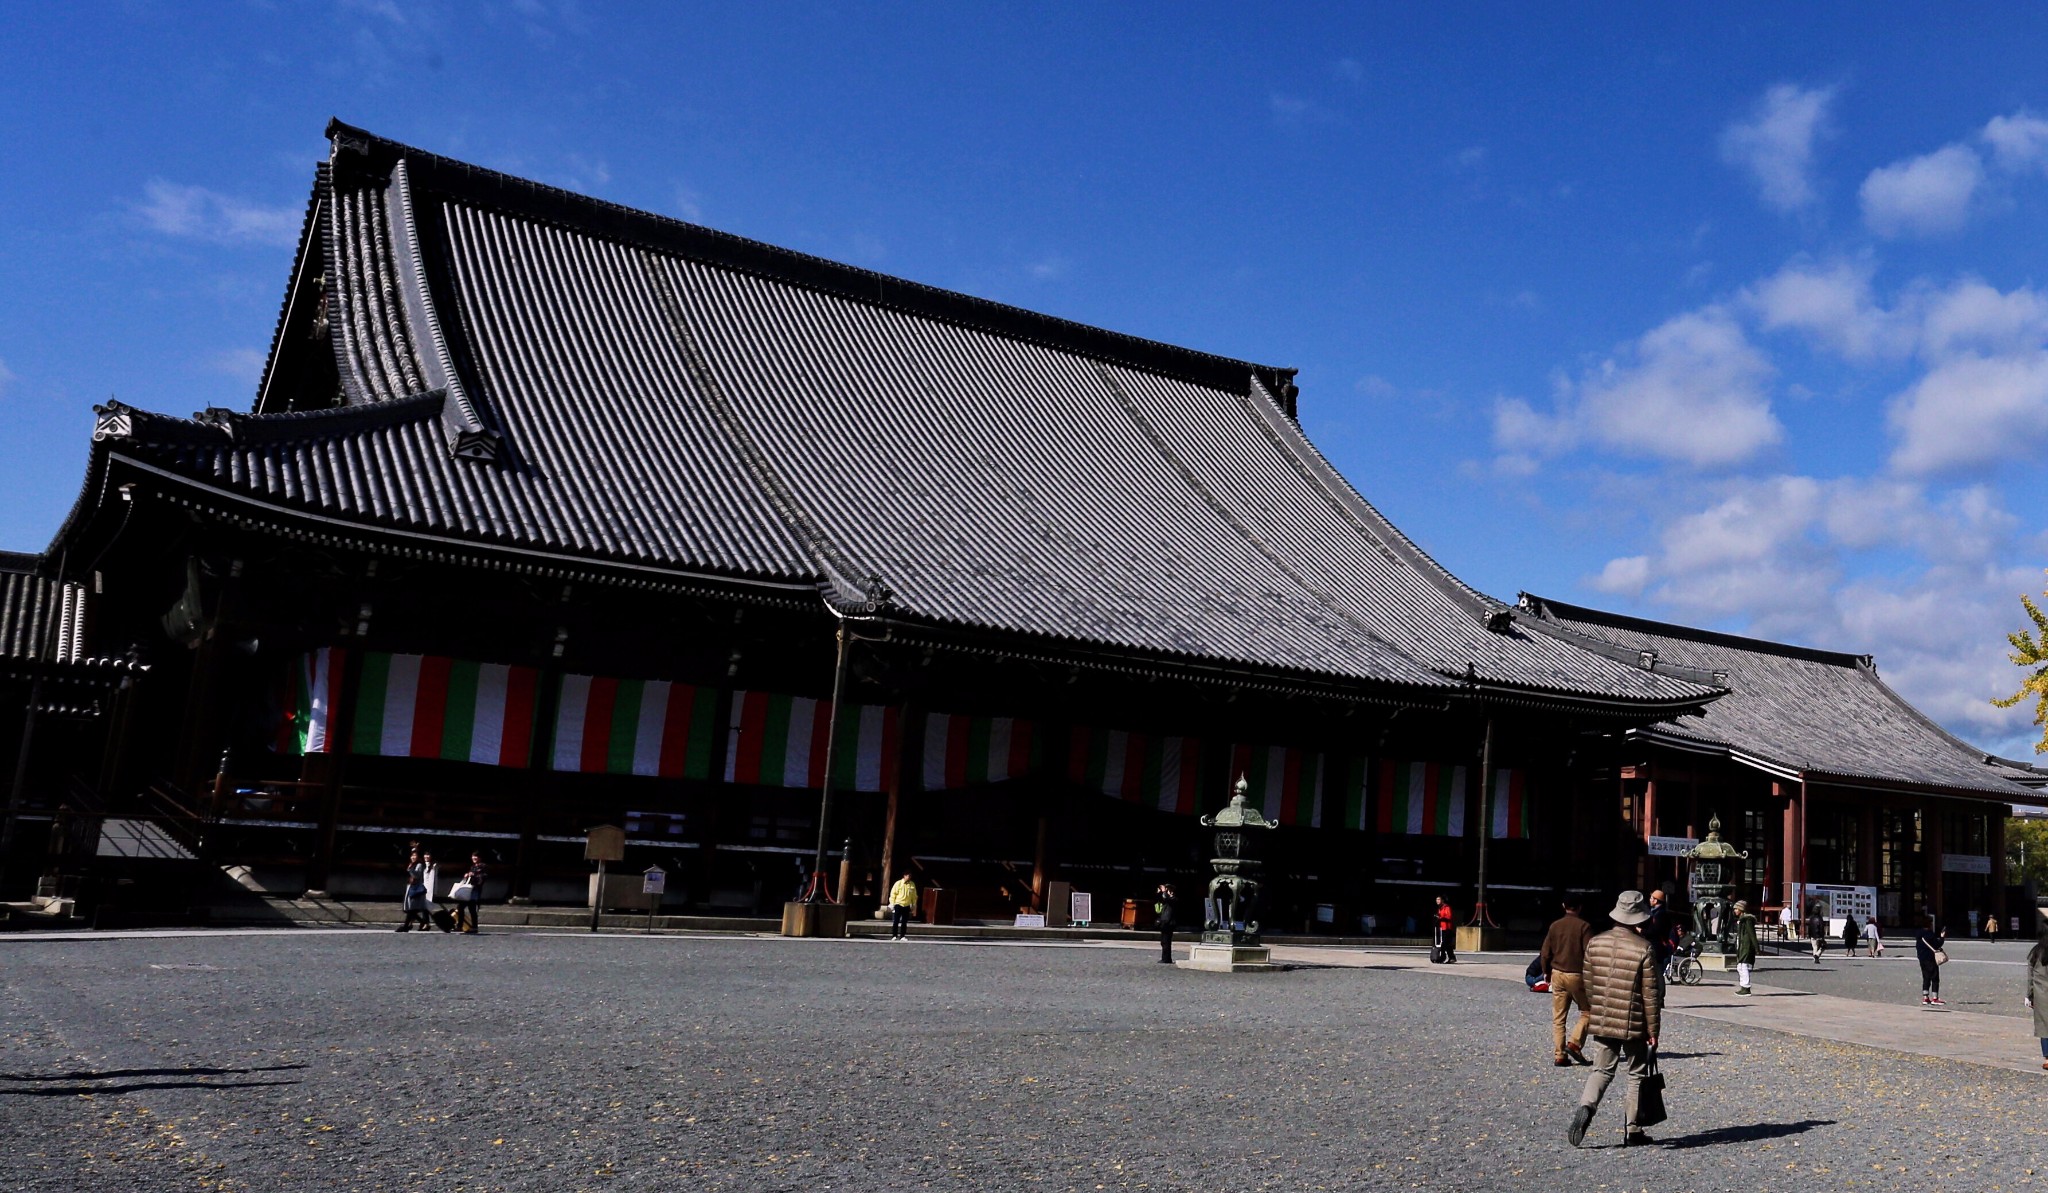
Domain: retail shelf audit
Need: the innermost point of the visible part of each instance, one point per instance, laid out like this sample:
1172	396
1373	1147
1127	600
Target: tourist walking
1745	946
468	894
1850	932
1990	927
1817	932
1658	928
1873	937
1627	1000
1446	932
2037	990
1564	963
436	917
1162	911
902	901
1928	945
415	906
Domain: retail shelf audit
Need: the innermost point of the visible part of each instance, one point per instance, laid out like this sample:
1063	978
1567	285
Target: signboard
1671	846
606	843
1030	921
654	881
1084	907
1841	902
1965	863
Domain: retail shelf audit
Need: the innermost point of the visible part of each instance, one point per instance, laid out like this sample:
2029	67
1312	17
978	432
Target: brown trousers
1565	990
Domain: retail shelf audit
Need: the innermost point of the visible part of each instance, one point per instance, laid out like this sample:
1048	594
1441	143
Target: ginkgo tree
2030	649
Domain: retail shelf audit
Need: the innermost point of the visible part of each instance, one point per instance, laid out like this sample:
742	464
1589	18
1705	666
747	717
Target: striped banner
315	694
1284	782
1424	799
779	741
966	751
1510	804
432	706
1345	792
633	727
1161	772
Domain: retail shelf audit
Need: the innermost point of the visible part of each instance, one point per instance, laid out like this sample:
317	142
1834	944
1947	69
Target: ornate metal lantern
1713	887
1230	910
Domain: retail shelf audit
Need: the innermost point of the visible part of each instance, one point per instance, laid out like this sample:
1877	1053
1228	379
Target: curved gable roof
586	379
1797	709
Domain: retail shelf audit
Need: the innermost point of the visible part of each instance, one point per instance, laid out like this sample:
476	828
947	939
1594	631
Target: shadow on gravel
125	1084
1746	1134
117	1073
60	1091
1663	1055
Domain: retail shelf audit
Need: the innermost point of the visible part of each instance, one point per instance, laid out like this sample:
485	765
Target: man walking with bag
1564	961
1627	997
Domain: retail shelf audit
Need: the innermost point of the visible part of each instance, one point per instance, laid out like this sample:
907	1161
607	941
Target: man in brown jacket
1627	994
1564	963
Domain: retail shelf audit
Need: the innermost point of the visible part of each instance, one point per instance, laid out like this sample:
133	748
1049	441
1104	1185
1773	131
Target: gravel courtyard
370	1060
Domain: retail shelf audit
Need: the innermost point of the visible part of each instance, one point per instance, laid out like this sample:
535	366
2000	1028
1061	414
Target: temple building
548	513
1817	769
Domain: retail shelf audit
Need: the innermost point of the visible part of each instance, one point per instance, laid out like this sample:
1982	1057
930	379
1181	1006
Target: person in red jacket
1446	932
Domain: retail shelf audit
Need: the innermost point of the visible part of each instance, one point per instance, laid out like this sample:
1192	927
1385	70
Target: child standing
1870	934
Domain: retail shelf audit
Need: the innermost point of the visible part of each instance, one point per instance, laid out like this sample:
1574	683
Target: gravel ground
370	1060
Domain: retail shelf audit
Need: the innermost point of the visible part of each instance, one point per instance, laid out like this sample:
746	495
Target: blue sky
1737	317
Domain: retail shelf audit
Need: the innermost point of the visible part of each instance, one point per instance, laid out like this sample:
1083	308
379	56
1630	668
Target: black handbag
1650	1101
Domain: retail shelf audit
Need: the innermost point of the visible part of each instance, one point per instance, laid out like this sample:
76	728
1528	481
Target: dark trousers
1930	975
1447	939
1166	940
899	920
465	914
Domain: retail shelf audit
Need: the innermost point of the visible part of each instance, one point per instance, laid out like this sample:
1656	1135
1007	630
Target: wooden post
1994	844
547	695
1649	829
1789	846
1038	864
1937	851
910	753
326	770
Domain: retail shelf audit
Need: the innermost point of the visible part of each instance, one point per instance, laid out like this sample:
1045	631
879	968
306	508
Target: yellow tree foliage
2031	650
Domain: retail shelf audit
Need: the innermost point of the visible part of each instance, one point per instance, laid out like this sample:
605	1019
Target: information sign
1084	908
654	881
1671	846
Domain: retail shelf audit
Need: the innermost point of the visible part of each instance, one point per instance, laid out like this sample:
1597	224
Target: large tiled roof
1794	710
530	369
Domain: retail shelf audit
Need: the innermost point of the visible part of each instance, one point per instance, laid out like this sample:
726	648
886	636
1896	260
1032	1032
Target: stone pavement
2000	1041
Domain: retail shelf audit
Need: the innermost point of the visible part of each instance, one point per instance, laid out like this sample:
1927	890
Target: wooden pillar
539	758
327	770
1937	848
1648	829
1790	847
1038	863
1866	847
1994	845
909	761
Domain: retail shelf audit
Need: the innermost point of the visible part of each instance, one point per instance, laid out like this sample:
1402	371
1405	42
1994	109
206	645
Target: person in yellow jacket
902	901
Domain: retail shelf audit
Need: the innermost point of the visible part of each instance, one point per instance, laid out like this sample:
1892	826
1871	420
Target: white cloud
1296	110
1771	555
1776	143
2019	141
1973	315
1691	391
1049	269
1833	305
196	213
1971	411
1925	196
243	364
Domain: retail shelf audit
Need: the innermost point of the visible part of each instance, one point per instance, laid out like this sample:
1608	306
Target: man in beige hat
1627	996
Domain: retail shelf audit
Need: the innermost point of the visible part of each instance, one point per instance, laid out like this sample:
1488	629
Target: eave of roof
1755	669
